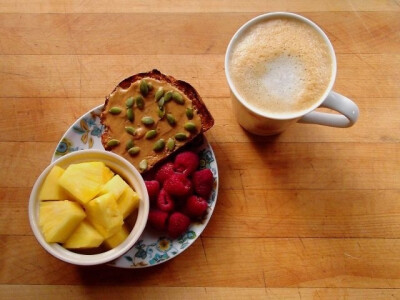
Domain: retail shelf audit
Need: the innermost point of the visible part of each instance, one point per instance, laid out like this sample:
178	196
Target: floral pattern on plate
152	248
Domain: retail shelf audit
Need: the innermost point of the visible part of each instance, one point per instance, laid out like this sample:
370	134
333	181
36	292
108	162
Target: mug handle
348	109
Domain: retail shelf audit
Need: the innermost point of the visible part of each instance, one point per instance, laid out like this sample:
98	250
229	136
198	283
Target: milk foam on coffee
280	66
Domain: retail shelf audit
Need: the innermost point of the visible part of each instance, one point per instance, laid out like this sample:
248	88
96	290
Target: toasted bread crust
207	121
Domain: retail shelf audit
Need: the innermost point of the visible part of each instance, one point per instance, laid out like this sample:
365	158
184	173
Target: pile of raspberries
178	194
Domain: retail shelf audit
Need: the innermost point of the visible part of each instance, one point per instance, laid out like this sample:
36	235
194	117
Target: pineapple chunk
85	236
115	185
104	214
107	174
58	219
128	201
83	181
50	189
116	239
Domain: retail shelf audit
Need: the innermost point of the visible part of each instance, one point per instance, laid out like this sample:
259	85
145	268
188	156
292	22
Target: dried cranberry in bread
150	116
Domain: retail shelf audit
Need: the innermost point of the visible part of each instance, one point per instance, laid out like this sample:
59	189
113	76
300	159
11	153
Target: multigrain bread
150	116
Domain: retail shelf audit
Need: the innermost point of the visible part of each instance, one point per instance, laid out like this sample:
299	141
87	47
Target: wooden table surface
311	213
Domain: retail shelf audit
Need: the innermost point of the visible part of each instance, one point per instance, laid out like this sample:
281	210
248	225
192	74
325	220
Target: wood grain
313	213
306	213
97	75
216	262
359	32
47	122
313	165
165	293
29	159
126	6
14	202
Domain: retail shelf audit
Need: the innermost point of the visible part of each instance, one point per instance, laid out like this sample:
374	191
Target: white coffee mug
262	123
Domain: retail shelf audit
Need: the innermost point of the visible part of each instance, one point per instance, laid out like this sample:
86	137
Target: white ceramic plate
152	248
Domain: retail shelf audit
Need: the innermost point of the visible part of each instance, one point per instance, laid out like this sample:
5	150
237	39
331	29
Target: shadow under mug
263	124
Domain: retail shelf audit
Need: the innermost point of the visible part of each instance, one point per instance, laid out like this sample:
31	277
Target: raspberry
178	224
178	185
195	206
158	219
165	202
165	172
203	182
186	162
153	188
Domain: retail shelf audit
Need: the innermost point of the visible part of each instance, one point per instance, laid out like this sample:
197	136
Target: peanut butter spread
148	121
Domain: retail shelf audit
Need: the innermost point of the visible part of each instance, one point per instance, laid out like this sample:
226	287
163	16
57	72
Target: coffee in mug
280	67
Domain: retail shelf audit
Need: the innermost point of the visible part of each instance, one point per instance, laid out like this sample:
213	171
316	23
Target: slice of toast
150	116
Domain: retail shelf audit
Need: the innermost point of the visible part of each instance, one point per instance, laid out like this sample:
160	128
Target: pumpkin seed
139	101
115	110
189	113
161	112
190	126
159	93
129	144
131	130
161	102
171	144
130	115
159	145
112	143
147	121
150	134
150	85
178	98
181	136
143	165
144	87
168	96
171	119
129	102
134	150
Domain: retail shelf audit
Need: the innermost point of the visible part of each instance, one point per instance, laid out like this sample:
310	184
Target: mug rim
266	16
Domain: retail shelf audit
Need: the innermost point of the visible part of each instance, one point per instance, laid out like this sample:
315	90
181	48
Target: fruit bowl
121	167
